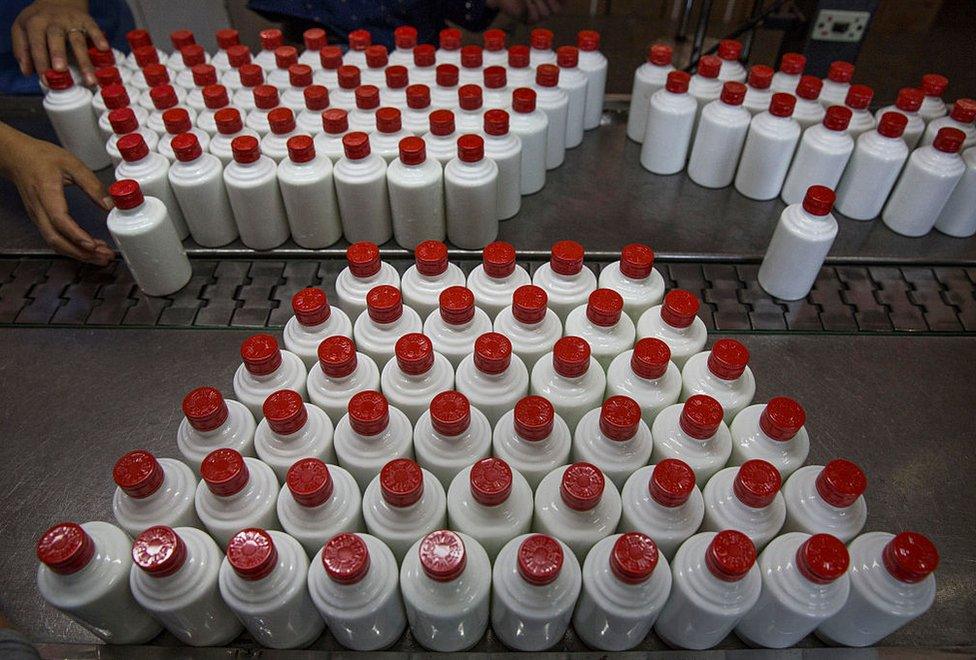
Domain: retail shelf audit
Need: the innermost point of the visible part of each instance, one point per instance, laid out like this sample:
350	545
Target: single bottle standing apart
360	181
821	157
471	195
450	436
252	186
491	377
152	491
69	107
211	422
675	322
722	373
84	572
573	81
828	499
670	124
926	184
626	582
416	186
908	102
958	216
292	429
369	435
314	321
198	185
430	275
962	117
773	432
799	246
663	502
505	149
149	169
772	138
531	125
412	380
496	278
174	577
555	103
570	379
385	320
758	92
873	169
647	375
604	326
306	183
446	581
364	270
746	498
529	324
235	492
564	278
648	79
535	582
693	432
614	438
593	64
456	325
265	369
891	584
532	439
339	374
721	135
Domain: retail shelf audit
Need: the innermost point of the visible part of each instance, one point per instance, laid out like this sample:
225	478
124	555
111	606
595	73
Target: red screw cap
909	99
679	308
424	55
672	482
115	96
819	200
491	481
396	76
541	39
335	121
300	75
547	75
369	413
309	482
349	77
285	412
659	54
782	104
470	148
251	75
205	409
450	38
964	111
101	58
571	357
633	558
123	121
138	474
840	72
730	555
163	96
145	56
418	97
709	66
301	149
330	57
227	37
567	57
650	358
837	117
677	82
314	39
388	120
215	97
355	145
192	55
498	259
733	93
138	38
493	39
367	97
281	121
177	120
442	556
224	472
238	55
756	483
471	57
376	56
910	557
822	558
228	121
566	258
700	416
518	57
782	418
414	353
450	413
252	554
337	356
441	122
534	418
384	304
456	305
126	194
540	559
470	97
270	38
581	486
604	307
108	75
401	482
405	37
345	558
620	418
809	88
792	63
729	49
159	551
359	40
446	75
728	359
934	85
760	76
65	548
495	77
260	354
492	353
529	304
588	40
266	97
429	256
949	140
840	483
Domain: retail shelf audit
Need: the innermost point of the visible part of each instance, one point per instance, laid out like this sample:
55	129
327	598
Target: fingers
56	47
37	41
55	206
54	239
21	49
84	178
96	35
79	46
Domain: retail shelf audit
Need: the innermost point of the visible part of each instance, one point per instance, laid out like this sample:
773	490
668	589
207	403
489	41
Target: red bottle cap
493	39
384	304
251	75
108	75
335	121
429	256
441	122
405	37
650	358
309	482
228	121
266	97
730	555
822	558
840	71
363	259
604	307
177	120
401	482
581	486
728	359
792	63
369	413
633	558
424	55
215	97
529	304
470	97
729	49
205	409
126	193
456	305
964	111
145	56
782	418
301	149
588	40
388	120
442	555
840	483
115	96
491	481
238	55
330	57
450	38
672	482
470	148
252	554
760	76
355	145
227	38
495	77
396	76
159	551
376	56
782	104
300	75
101	58
186	147
496	122
518	57
567	57
571	357
523	99
163	96
418	97
224	472
492	353
934	85
756	483
534	418
809	88
949	140
471	57
498	259
270	38
345	558
547	75
359	40
709	66
566	258
337	356
260	354
679	308
819	200
910	557
677	82
837	118
367	97
541	39
733	93
620	418
348	76
123	121
447	75
285	412
700	417
316	98
414	353
659	54
909	99
450	413
138	38
138	474
314	39
540	559
65	548
636	260
193	55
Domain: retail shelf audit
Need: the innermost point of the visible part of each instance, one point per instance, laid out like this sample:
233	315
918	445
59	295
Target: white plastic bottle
958	216
730	52
215	98
540	40
535	583
364	270
933	87
196	179
495	86
211	422
226	39
369	435
456	324
647	375
229	126
569	378
495	280
342	95
330	61
471	195
505	149
271	39
962	117
772	138
575	504
152	491
529	324
626	582
149	170
791	67
908	102
404	40
808	111
385	320
663	502
472	65
493	42
532	439
804	582
441	139
566	281
648	79
123	122
202	76
292	429
69	107
314	40
490	502
416	187
821	157
362	116
573	81
675	322
242	76
389	132
891	584
335	125
377	59
339	374
450	436
354	584
746	498
593	64
265	100
602	323
314	321
705	86
773	432
265	369
758	92
799	246
306	183
858	100
359	41
553	101
174	576
925	185
144	233
518	72
826	499
315	102
469	109
444	92
614	438
634	278
693	432
715	582
360	182
281	127
255	197
531	125
449	46
84	572
670	124
873	169
234	493
115	97
491	377
318	501
721	134
423	283
416	114
722	373
416	376
837	83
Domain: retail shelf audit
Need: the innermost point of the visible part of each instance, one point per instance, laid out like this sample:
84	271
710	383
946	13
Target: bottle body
236	433
313	526
766	156
493	394
199	188
565	292
534	458
669	526
733	395
593	64
151	174
870	175
352	289
555	104
807	511
412	393
422	292
456	341
532	130
670	124
304	341
796	252
76	125
309	196
922	191
683	342
378	340
606	342
364	204
958	216
447	456
252	506
652	394
255	196
530	341
171	504
571	397
617	459
401	527
493	294
495	525
648	79
471	202
820	160
417	202
704	456
574	83
252	390
721	135
151	247
312	440
364	456
724	510
506	151
332	394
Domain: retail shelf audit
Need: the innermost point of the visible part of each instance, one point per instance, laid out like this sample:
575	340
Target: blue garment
113	16
381	17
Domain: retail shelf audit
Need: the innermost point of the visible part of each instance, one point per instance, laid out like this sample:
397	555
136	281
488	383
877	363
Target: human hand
529	11
40	31
41	170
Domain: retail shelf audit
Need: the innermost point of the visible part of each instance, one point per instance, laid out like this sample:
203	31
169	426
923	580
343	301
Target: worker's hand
41	170
40	32
529	11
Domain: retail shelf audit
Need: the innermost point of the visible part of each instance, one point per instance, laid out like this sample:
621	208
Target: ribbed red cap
228	121
547	75
733	93
620	418
145	56
314	39
224	472
159	551
672	482
840	71
792	63
581	486
633	558
138	38
782	418
819	200
470	97
355	144
470	148
934	84
163	96
345	558
636	261
760	76
909	99
205	409
541	39
384	304
841	482
285	412
300	75
301	149
401	482
523	99
270	38
414	353
679	308
227	37
495	77
335	121
729	49
822	558
571	357
430	257
101	58
192	55
177	120
369	413
529	304
186	147
964	111
728	359
123	121
442	555
450	413
251	75
456	305
859	97
490	480
348	76
215	97
359	40
471	56
337	356
405	37
730	555
424	55
604	307
252	554
309	482
441	122
498	259
949	140
376	56
700	417
566	258
246	149
493	39
388	120
138	474
126	193
108	75
363	259
782	104
659	54
534	418
709	66
418	97
330	57
837	117
677	82
910	557
115	96
756	483
396	76
540	559
65	548
567	57
260	354
238	55
588	40
492	353
446	75
367	97
650	358
266	97
518	57
496	122
809	88
450	38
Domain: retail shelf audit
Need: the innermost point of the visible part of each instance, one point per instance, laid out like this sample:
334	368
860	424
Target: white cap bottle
265	369
335	125
318	501
196	179
663	502
705	85
454	327
471	195
422	68
496	91
364	270
339	374
370	434
821	157
229	126
491	377
292	429
858	101
772	138
535	582
715	582
174	576
574	82
494	51
413	379
531	327
505	148
266	99
149	169
248	77
958	216
446	580
531	125
774	432
124	121
450	436
517	68
491	502
826	498
575	504
925	185
209	422
565	280
648	78
416	187
402	504
962	117
362	117
314	40
603	325
804	582
873	169
626	582
746	498
730	52
555	103
676	323
614	438
432	273
908	102
837	83
385	320
416	116
593	64
799	246
469	113
144	232
693	432
722	373
306	183
281	127
152	491
441	139
394	94
758	92
264	580
569	378
721	134
670	125
360	181
444	92
646	375
808	112
69	107
532	439
235	492
309	119
891	584
494	281
313	322
354	583
227	38
299	81
791	66
84	572
472	65
252	187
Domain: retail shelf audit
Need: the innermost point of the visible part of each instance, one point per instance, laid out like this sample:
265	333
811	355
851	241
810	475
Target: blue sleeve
470	14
